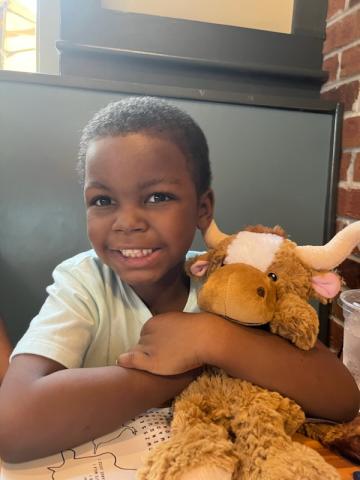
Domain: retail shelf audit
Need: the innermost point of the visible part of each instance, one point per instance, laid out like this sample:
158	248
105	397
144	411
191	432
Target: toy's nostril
261	292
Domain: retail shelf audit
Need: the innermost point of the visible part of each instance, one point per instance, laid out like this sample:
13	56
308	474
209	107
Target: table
343	466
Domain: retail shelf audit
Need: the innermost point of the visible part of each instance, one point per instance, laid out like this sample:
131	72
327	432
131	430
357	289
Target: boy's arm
315	379
5	350
45	408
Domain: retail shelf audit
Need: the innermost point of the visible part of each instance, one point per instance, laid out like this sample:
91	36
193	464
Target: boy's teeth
136	253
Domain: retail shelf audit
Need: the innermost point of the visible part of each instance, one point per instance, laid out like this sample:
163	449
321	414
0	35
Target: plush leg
207	473
202	452
343	437
299	462
295	320
200	447
266	452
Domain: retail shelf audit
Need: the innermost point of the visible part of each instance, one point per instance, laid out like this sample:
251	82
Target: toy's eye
273	276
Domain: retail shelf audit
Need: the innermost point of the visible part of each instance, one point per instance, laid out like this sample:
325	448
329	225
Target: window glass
18	35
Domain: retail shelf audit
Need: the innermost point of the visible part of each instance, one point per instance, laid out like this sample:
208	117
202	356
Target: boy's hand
172	343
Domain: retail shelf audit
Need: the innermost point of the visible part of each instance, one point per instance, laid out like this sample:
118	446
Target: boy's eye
102	201
159	197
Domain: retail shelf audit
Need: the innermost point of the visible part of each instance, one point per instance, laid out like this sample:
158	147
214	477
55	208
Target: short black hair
154	116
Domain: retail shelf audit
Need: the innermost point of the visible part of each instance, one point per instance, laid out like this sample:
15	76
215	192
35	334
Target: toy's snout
239	292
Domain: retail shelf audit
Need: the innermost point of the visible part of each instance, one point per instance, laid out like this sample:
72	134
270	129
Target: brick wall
342	61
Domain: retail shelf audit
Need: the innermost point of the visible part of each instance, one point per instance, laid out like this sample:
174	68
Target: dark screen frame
109	44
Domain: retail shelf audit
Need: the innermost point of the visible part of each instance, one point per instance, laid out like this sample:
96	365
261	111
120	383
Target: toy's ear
197	266
327	284
206	263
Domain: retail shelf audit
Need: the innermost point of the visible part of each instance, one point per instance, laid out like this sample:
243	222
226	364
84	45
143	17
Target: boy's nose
129	220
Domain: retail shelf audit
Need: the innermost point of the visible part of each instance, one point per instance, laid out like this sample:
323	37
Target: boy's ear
205	210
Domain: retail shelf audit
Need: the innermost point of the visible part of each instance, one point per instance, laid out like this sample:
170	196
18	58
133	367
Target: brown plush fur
344	438
229	423
277	230
242	429
293	276
294	318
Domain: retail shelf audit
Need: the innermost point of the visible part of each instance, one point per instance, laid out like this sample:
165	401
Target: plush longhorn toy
226	428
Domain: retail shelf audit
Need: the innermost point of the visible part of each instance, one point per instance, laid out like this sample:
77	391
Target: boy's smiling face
142	207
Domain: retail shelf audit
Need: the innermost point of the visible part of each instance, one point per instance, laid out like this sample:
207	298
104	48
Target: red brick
351	132
335	6
344	165
357	168
331	66
348	203
340	224
346	94
344	31
350	271
350	62
353	3
336	336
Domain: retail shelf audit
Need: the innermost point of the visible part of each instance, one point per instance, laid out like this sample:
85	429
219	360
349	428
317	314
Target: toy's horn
329	256
213	236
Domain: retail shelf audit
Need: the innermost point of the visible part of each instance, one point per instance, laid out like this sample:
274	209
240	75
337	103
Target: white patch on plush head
255	249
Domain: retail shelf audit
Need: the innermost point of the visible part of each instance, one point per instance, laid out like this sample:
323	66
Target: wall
342	61
48	32
274	15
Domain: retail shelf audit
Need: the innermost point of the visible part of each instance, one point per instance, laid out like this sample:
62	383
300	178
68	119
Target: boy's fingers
134	359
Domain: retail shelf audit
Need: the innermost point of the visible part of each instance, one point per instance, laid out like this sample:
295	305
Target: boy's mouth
133	253
137	258
136	253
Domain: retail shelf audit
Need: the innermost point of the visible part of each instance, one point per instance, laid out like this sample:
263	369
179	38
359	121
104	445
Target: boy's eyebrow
96	184
142	185
155	181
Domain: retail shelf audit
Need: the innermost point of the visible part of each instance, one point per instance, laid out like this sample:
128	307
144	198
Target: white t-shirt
90	315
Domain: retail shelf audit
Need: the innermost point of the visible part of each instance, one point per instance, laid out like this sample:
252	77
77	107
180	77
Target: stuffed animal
226	428
344	438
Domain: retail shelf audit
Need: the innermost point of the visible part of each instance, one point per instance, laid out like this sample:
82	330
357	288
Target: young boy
147	189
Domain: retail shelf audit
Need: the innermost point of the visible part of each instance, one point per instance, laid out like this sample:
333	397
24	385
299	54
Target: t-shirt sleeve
64	327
